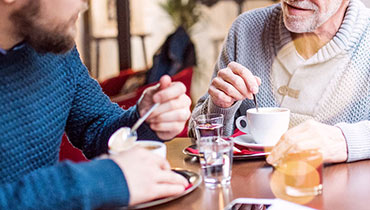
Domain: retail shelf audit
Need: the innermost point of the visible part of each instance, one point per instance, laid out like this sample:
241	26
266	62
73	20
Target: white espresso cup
123	140
266	126
156	147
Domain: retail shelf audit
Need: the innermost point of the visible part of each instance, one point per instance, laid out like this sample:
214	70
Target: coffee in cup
265	126
156	147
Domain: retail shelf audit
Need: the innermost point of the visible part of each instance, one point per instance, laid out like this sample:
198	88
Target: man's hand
170	117
148	175
312	135
233	83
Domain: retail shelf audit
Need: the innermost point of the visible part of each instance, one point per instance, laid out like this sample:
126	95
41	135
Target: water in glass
216	160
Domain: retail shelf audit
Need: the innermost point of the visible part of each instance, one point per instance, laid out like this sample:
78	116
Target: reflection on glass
298	176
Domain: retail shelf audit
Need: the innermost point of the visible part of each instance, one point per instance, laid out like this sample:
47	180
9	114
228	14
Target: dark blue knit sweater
41	97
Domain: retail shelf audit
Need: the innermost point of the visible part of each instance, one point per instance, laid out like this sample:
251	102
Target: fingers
172	91
228	78
278	151
170	177
233	83
179	115
167	190
164	82
259	82
219	97
296	139
247	75
167	126
180	104
285	143
169	183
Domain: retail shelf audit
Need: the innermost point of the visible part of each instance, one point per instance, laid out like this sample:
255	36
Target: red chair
113	85
112	88
69	152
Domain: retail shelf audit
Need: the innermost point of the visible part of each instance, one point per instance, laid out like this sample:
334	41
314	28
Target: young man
45	91
311	56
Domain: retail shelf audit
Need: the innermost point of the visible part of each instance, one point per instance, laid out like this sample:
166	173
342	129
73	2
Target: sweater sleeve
93	117
89	185
357	136
205	104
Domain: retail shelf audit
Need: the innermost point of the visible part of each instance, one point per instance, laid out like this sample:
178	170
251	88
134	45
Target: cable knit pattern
254	41
41	96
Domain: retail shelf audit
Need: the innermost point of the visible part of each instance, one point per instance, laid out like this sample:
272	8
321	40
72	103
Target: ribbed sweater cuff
358	140
107	186
228	113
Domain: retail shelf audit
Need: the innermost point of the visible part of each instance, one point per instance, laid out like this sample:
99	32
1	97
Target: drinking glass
209	125
302	172
216	158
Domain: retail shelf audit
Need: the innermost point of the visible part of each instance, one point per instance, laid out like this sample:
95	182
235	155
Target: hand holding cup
312	135
148	175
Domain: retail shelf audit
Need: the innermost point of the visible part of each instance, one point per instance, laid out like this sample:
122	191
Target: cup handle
239	126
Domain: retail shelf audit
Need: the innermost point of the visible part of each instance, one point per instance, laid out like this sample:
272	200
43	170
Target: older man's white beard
299	24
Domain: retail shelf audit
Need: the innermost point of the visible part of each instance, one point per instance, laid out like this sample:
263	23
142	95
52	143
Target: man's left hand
169	118
312	135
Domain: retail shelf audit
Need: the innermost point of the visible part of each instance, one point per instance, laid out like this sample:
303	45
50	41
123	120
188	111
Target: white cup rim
281	110
162	150
152	142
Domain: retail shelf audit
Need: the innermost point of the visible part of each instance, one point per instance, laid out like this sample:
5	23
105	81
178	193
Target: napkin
189	186
237	132
243	151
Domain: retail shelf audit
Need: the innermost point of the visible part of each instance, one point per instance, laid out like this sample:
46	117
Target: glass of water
207	125
216	158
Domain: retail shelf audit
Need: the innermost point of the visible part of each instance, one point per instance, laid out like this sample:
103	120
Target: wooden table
346	186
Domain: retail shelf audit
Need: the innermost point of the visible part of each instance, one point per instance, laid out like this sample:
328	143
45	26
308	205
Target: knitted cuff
358	139
104	183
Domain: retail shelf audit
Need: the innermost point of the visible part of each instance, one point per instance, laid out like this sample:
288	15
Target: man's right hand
233	83
148	175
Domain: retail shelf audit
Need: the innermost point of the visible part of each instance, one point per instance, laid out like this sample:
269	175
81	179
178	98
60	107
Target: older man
311	56
46	90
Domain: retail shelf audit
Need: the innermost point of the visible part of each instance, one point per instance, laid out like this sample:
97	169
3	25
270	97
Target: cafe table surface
345	186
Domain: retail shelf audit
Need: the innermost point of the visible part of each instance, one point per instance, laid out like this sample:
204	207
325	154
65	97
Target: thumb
164	82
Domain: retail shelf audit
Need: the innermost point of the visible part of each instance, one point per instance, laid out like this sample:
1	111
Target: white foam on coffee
121	140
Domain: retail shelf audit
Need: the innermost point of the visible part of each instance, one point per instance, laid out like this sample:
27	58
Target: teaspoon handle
255	101
143	118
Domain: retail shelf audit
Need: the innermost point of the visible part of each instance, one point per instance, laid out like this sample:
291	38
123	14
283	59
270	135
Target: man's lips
299	8
294	10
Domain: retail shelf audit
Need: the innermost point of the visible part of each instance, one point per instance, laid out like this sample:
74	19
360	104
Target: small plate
248	141
235	157
194	179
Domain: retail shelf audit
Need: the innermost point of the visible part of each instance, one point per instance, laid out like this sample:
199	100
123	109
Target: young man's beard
44	40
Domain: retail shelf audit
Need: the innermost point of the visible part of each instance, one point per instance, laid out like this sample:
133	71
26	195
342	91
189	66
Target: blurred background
128	44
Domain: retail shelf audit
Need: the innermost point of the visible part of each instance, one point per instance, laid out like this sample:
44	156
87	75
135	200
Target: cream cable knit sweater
255	39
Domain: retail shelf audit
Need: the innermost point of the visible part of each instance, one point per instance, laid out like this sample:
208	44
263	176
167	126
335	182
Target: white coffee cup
266	126
156	147
123	140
